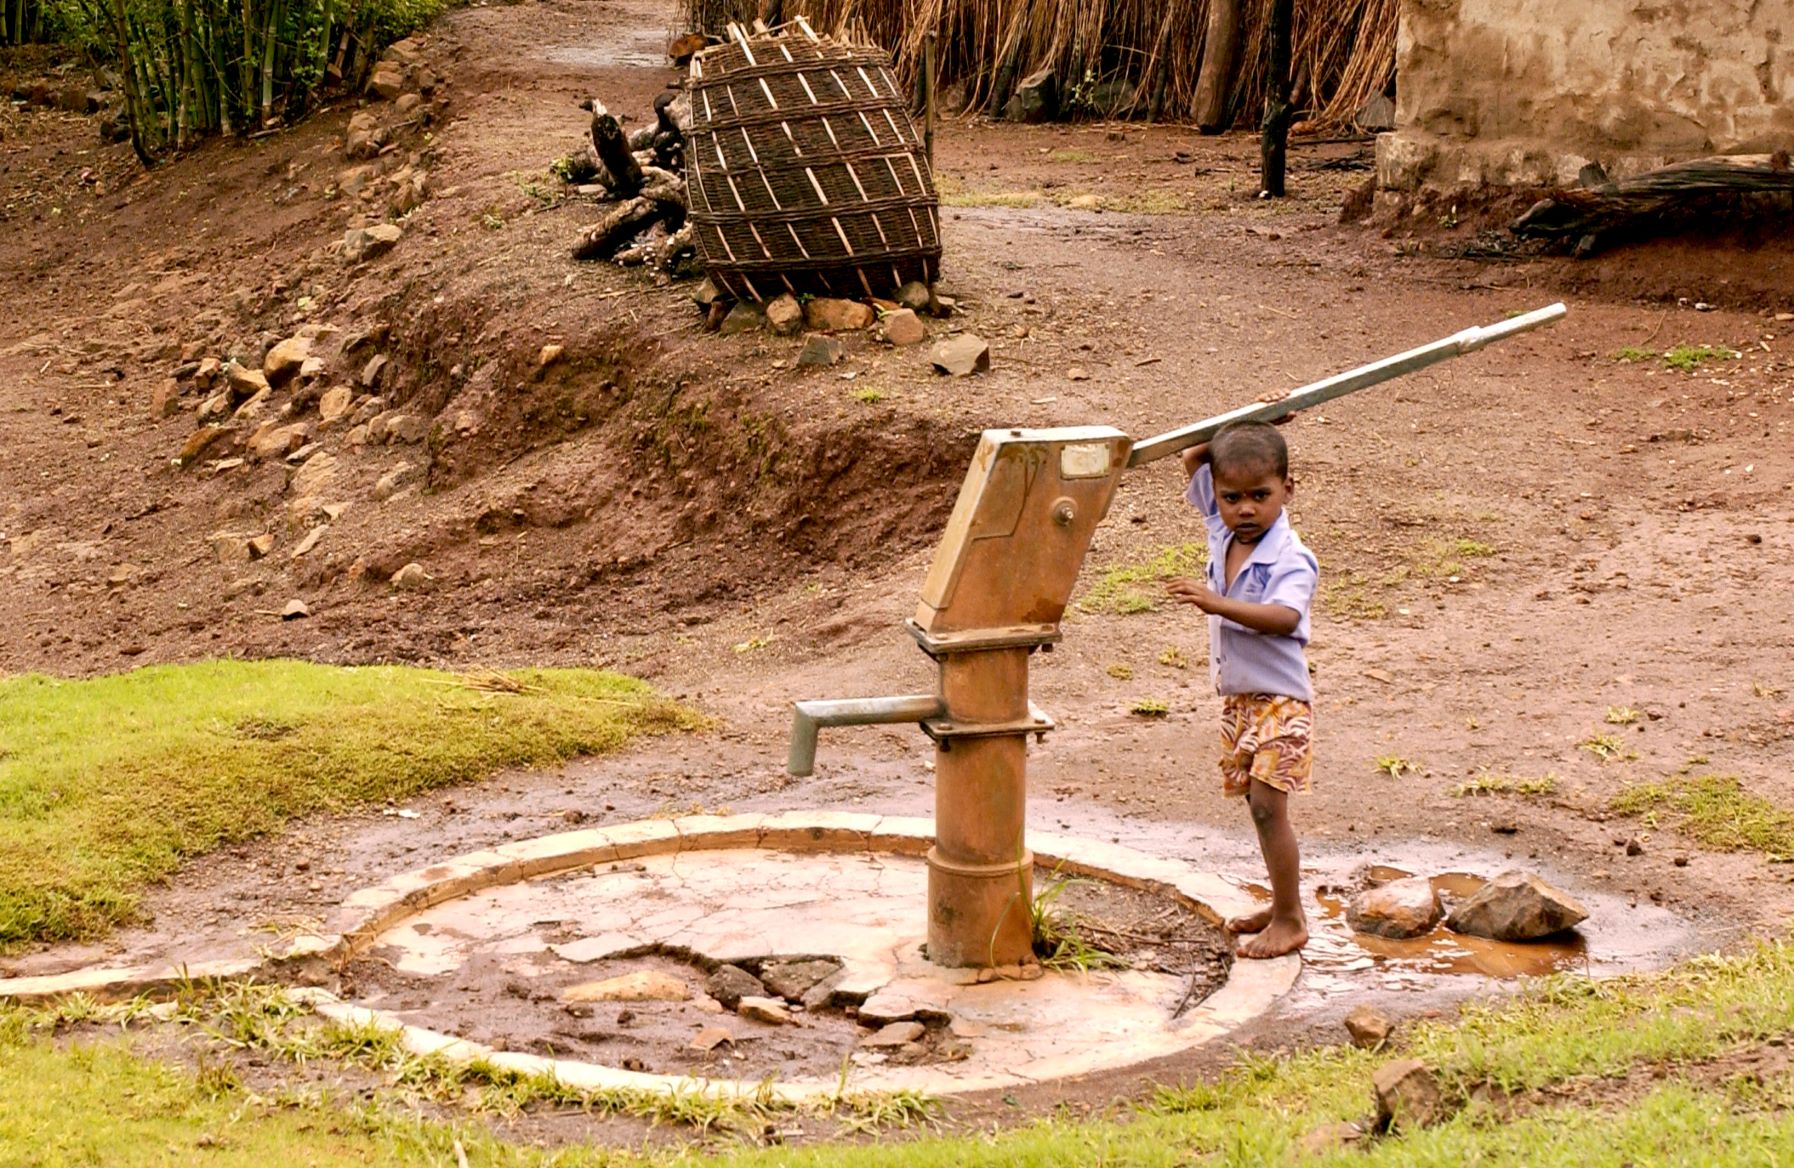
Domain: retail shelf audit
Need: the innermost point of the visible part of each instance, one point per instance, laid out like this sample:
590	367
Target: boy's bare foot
1276	939
1252	922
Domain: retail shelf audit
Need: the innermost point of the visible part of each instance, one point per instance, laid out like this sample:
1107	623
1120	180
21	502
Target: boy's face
1250	498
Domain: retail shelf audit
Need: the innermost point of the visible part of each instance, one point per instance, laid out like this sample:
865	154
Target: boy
1258	591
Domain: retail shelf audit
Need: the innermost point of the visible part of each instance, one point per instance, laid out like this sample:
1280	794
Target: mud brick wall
1516	92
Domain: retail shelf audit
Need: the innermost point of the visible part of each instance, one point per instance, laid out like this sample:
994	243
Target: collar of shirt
1265	551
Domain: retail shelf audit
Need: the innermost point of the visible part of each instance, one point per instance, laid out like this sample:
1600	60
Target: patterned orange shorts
1268	737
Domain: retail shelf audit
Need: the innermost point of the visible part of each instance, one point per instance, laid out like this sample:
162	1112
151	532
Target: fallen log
619	225
1605	206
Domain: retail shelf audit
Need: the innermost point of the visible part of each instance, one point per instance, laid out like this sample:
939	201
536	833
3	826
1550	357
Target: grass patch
110	783
1071	156
1446	557
1120	672
1153	202
868	395
1120	590
1558	1054
1174	658
953	193
1352	597
1715	810
1395	766
1608	747
1621	716
1493	784
1150	708
1688	358
1058	942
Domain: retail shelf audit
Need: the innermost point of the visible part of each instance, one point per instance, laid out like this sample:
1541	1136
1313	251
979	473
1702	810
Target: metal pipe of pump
1351	381
808	717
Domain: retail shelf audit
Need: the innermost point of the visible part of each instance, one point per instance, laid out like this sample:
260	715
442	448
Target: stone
793	979
961	356
365	243
904	327
200	441
743	318
284	360
275	441
1369	1027
1516	906
406	104
165	402
1784	317
1077	373
1399	909
550	354
914	296
364	137
1036	99
411	578
707	293
710	1038
941	307
371	374
311	478
335	403
784	315
408	429
310	541
208	371
765	1010
895	1034
387	80
644	985
214	408
295	609
731	983
230	547
1408	1096
1331	1137
254	408
261	545
243	383
396	480
821	350
311	369
826	314
1377	115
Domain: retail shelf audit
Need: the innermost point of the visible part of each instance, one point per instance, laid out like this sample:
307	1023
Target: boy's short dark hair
1243	446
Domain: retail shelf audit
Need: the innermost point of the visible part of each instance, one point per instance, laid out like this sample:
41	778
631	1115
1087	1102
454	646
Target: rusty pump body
999	584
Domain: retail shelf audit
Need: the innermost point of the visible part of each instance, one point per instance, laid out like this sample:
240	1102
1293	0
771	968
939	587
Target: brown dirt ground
694	510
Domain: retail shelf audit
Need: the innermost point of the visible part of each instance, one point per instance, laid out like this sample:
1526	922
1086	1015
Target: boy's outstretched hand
1186	590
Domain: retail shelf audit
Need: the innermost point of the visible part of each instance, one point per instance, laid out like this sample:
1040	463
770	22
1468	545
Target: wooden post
928	97
1274	145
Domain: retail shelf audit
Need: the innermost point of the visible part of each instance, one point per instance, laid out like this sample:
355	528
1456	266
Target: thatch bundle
1113	58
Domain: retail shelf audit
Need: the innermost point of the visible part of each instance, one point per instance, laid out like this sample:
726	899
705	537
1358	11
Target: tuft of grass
1632	354
1071	156
1174	658
1121	590
953	193
1715	810
1145	202
1057	941
1688	358
1608	747
1445	557
1493	784
1621	716
110	783
1120	672
1395	766
1150	708
868	395
1349	597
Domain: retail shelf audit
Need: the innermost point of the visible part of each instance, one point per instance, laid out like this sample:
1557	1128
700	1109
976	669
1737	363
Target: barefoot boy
1257	593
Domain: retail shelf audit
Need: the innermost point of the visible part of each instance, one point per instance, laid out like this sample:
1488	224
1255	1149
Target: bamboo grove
1117	58
189	68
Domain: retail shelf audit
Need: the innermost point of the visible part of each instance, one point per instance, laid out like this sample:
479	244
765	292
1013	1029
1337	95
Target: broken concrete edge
369	912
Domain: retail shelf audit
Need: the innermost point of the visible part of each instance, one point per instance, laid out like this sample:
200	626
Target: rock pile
1514	906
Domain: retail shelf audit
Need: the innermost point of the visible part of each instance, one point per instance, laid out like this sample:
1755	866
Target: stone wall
1516	92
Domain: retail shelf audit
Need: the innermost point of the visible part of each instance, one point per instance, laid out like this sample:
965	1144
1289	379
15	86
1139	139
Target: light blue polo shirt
1280	570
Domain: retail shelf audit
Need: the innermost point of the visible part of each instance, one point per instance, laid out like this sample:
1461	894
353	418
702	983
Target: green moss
1129	588
1716	810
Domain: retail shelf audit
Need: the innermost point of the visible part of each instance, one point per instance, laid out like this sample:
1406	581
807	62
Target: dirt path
1513	544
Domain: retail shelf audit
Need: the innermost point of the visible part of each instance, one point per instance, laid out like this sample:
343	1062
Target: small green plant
1632	354
1395	765
1607	747
1493	784
1350	597
1122	590
1057	942
1174	658
868	395
1716	810
491	219
1445	557
1120	672
1150	708
1688	358
1763	689
1621	715
751	644
1071	156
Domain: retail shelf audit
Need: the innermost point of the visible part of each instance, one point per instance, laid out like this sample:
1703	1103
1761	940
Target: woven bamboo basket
804	170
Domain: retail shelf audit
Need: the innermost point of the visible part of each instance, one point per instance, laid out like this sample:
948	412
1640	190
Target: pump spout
810	716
